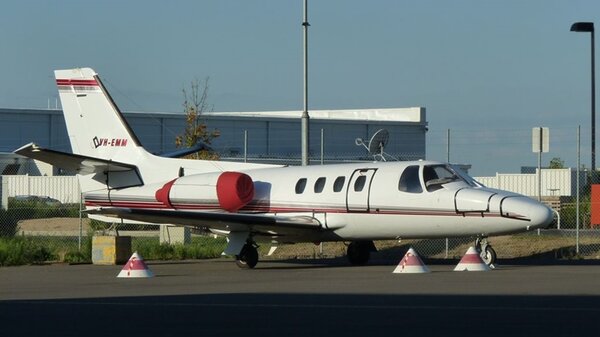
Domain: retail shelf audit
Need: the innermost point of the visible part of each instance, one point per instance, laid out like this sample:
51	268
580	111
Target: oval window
300	186
359	184
319	185
338	184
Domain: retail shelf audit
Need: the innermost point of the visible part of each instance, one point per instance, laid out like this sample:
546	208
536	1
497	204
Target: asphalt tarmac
299	298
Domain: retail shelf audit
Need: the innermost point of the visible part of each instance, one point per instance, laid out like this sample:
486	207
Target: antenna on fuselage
376	144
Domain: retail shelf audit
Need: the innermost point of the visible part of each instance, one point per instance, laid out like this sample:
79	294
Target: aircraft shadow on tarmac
286	314
391	256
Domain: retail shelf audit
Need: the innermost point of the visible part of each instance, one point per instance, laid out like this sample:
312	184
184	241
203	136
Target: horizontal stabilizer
73	162
187	151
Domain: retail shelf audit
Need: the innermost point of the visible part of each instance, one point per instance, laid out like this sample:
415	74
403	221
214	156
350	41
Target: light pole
589	27
305	117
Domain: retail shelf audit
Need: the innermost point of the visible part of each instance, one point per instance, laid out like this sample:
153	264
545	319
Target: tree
194	104
557	163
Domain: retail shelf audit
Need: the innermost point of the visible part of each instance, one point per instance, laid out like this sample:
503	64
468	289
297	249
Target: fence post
245	146
447	247
448	146
577	202
80	220
322	146
4	193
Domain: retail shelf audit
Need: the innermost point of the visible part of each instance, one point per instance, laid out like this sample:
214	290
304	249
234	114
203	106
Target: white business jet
249	203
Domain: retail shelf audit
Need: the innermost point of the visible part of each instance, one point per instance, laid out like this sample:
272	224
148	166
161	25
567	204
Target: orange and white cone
411	263
472	262
135	267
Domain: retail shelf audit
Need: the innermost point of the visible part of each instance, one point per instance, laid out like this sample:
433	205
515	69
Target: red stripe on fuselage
271	209
83	83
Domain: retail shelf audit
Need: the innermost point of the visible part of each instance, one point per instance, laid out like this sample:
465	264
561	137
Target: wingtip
31	147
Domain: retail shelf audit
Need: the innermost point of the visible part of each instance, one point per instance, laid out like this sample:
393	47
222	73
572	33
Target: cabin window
319	185
300	186
409	180
359	184
338	184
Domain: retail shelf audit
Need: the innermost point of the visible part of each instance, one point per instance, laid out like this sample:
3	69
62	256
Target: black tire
488	255
359	253
248	257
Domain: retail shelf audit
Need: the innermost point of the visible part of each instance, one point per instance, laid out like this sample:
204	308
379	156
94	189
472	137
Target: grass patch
75	255
34	250
200	248
20	251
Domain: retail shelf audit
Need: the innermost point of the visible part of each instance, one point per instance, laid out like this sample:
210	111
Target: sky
488	71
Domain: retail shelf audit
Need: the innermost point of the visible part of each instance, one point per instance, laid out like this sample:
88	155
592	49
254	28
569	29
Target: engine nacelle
232	191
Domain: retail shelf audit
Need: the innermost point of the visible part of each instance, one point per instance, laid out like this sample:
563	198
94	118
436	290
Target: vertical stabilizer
95	125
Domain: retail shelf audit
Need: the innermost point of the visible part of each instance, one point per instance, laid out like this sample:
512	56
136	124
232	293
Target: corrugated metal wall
266	136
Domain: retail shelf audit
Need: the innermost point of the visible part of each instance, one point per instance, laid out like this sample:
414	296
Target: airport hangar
268	137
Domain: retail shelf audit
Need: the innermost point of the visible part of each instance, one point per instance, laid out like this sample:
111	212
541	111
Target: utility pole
305	117
589	28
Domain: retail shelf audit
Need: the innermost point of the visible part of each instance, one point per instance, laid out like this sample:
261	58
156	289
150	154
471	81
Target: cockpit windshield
466	177
435	176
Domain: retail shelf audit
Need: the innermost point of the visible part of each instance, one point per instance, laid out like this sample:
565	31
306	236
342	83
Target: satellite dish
375	147
378	142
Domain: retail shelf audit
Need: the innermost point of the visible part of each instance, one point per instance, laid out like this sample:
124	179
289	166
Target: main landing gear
359	252
248	257
487	253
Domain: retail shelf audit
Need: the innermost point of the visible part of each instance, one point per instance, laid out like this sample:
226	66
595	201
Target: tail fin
94	123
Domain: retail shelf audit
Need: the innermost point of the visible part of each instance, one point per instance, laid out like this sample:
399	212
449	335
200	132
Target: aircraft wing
258	223
78	163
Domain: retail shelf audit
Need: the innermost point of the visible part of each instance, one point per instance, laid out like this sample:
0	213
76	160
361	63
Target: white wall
62	188
554	182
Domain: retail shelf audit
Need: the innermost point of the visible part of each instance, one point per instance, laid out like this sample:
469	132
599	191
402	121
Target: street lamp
305	116
589	27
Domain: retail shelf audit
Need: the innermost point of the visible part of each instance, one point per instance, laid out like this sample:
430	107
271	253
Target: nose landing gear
487	253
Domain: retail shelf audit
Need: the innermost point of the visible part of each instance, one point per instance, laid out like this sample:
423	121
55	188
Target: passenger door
358	190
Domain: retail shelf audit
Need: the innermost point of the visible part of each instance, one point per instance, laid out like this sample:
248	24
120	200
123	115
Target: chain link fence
47	211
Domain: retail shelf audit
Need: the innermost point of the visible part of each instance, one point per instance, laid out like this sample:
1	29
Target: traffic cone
411	263
472	262
135	267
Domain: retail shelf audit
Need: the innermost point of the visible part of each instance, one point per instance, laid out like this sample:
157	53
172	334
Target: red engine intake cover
162	194
234	190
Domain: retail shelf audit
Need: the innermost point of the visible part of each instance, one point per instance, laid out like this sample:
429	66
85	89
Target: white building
554	182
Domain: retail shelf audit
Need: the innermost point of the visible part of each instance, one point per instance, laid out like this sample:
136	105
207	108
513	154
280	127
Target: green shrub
37	209
32	209
568	213
9	222
84	255
19	251
199	248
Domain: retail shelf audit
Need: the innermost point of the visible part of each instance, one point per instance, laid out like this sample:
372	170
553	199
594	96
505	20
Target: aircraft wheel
359	252
248	257
488	255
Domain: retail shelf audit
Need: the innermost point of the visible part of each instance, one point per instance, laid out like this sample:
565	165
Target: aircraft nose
538	214
541	216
